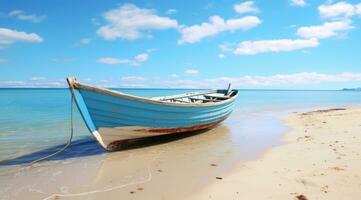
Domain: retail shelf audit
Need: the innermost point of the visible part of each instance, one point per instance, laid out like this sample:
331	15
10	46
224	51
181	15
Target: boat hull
115	137
113	118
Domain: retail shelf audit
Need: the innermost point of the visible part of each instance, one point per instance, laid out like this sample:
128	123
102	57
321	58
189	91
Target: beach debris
324	188
323	111
159	170
301	197
337	168
140	188
131	192
219	178
213	165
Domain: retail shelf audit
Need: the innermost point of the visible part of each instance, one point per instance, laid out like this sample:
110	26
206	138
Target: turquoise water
35	122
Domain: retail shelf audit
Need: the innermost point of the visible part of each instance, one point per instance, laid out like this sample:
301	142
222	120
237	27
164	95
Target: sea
36	122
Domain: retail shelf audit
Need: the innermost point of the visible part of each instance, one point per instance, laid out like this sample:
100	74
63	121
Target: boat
113	117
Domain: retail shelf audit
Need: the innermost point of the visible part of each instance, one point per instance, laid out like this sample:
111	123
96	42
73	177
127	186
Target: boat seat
217	97
204	100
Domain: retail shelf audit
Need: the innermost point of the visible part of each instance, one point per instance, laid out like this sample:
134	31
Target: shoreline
303	165
213	163
202	157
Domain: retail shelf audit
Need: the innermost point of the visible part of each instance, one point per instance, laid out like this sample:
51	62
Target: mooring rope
55	153
70	139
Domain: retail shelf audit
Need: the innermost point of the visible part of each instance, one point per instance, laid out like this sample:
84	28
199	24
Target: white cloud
141	58
133	79
278	80
221	56
85	41
245	7
299	3
191	71
225	47
263	46
130	22
340	9
171	11
136	61
33	84
326	30
174	75
216	24
37	78
9	36
302	79
21	15
358	9
113	61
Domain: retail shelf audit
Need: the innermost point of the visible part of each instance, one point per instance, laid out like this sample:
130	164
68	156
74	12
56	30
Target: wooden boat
114	117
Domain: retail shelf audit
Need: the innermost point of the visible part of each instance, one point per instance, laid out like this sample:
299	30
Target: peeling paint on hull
149	132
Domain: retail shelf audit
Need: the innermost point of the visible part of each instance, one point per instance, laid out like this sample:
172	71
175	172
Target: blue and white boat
114	117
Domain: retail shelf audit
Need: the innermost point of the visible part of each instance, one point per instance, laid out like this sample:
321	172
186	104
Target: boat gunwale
77	85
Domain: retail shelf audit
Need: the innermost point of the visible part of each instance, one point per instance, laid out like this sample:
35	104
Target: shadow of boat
89	147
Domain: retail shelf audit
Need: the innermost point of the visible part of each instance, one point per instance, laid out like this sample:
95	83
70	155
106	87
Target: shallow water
35	123
32	120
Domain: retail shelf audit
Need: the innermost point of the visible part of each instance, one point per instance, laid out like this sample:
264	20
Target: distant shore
321	159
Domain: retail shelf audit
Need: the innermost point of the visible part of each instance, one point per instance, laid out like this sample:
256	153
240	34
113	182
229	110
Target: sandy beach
321	159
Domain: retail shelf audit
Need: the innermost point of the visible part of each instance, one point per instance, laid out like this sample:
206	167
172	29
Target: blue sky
300	44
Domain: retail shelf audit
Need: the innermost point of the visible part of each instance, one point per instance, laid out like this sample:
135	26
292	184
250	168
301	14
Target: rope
70	139
53	154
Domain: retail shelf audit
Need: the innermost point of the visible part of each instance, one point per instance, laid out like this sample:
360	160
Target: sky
283	44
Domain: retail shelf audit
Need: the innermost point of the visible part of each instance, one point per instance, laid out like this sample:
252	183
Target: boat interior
200	97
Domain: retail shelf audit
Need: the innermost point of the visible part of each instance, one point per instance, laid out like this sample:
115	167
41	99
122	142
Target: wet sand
160	168
321	159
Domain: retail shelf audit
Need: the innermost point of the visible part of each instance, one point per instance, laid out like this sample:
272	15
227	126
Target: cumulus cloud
310	79
358	9
246	7
263	46
136	61
221	56
216	25
326	30
299	3
130	22
9	36
22	15
191	72
340	9
278	80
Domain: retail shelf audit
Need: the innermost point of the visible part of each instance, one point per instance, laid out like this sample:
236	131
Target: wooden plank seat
204	100
217	97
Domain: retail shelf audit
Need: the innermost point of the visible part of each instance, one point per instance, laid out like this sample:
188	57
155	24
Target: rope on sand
55	196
